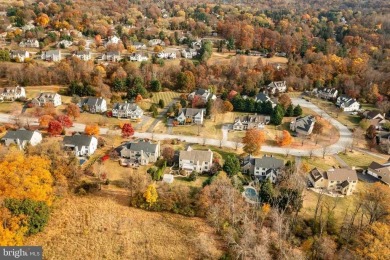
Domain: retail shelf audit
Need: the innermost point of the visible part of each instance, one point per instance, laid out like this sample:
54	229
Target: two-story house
11	94
339	180
155	42
19	55
262	97
139	45
189	53
113	40
380	171
93	104
52	55
83	55
303	125
267	167
127	110
277	86
190	116
112	56
64	44
166	55
375	117
203	94
21	138
347	104
46	98
140	152
80	144
138	57
195	160
328	93
250	121
29	43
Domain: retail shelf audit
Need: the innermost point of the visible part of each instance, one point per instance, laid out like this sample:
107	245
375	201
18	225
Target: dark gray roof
371	114
125	106
253	119
78	140
316	174
20	134
269	162
200	91
262	97
141	145
190	111
92	101
304	123
344	184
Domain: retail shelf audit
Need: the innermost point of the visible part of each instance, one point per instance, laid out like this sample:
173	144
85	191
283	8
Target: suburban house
196	44
267	167
52	55
93	104
347	104
111	56
166	55
139	45
155	42
190	115
83	55
11	94
303	124
140	152
202	94
250	121
380	171
334	180
189	53
195	160
138	57
262	97
29	43
277	86
19	55
327	93
80	144
376	118
21	138
64	44
46	98
113	40
127	110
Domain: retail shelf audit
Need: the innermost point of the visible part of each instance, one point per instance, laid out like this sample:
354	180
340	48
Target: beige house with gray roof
340	180
380	171
140	152
195	160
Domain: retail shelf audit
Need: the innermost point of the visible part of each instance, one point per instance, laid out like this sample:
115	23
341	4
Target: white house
277	86
155	42
139	45
112	56
127	110
328	93
195	160
52	55
47	97
303	124
10	94
64	44
29	43
166	55
83	55
203	94
190	115
267	167
80	144
375	117
340	180
189	53
93	104
196	44
113	40
21	138
19	55
140	152
250	121
347	104
138	57
380	171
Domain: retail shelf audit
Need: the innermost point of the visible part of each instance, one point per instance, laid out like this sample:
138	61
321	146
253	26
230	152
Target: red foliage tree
127	130
55	128
65	121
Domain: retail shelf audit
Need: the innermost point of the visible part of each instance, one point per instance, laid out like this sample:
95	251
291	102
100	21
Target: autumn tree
373	242
55	128
127	130
65	121
43	20
364	124
151	194
158	49
284	100
227	106
285	139
73	110
168	153
376	202
319	127
253	140
371	132
45	120
92	129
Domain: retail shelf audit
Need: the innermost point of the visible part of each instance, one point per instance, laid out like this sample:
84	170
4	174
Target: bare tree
324	151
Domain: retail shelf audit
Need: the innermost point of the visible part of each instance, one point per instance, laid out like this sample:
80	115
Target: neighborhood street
345	139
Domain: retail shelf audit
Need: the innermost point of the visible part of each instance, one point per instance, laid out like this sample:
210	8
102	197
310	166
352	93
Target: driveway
158	118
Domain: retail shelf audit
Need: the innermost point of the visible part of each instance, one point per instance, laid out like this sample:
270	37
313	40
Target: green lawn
323	164
184	181
359	159
167	96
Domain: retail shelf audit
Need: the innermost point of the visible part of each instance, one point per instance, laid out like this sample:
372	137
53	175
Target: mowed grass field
359	159
167	96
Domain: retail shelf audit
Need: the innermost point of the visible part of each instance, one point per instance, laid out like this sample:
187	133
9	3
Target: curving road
345	139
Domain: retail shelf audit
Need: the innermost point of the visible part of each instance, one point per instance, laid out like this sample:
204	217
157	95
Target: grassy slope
98	228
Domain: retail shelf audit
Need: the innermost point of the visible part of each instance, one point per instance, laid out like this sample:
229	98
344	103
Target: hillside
92	228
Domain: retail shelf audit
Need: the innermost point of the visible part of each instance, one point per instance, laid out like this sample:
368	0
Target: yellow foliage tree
151	194
158	49
374	242
92	130
131	49
43	20
12	228
26	177
285	139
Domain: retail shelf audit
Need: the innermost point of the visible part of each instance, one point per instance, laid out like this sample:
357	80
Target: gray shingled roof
262	97
304	123
92	101
189	112
342	174
316	174
125	106
20	134
78	140
146	146
268	162
196	155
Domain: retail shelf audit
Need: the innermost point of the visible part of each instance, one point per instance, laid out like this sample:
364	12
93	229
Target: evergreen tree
277	115
266	191
297	111
209	105
161	103
155	85
267	108
231	165
290	110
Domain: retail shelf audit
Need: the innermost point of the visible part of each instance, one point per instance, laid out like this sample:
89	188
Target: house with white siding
127	110
267	167
80	144
21	138
195	160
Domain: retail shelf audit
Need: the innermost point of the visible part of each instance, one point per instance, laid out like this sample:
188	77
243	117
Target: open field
100	228
184	181
359	159
167	96
323	164
226	57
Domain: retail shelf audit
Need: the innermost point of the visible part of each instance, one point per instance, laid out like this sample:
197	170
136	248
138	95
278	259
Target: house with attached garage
11	94
47	98
21	138
83	55
127	110
29	43
80	144
19	55
112	56
339	180
375	117
190	116
262	97
380	171
250	121
138	57
189	53
52	55
139	45
93	104
202	94
267	167
195	160
166	55
303	125
347	104
140	152
327	93
277	86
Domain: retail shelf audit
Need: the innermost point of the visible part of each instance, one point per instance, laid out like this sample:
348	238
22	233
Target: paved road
341	161
344	140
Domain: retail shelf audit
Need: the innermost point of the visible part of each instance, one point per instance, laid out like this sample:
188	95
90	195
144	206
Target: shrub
88	187
193	176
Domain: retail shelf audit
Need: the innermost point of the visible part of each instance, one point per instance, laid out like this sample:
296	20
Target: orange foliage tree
253	140
73	110
45	120
92	130
285	139
43	20
227	106
55	128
